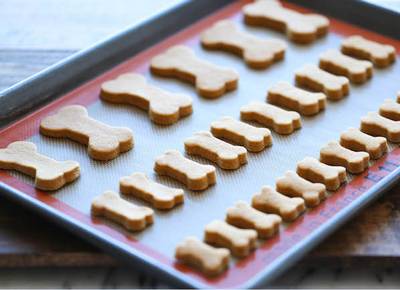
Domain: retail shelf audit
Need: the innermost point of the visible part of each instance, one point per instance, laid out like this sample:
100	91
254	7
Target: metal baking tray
77	80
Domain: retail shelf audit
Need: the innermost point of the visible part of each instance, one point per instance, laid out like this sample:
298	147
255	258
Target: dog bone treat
257	52
253	138
357	71
376	125
306	103
194	175
380	54
73	122
244	216
111	206
315	171
356	140
179	61
293	185
207	259
226	155
398	97
49	174
281	121
160	196
302	28
239	241
164	108
314	78
390	109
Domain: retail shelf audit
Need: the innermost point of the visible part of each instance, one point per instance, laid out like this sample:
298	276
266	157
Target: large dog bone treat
253	138
209	260
244	216
381	55
113	207
302	28
164	107
314	78
315	171
49	174
194	175
390	109
179	61
257	52
293	185
281	121
306	103
226	155
160	196
104	142
239	241
356	140
376	125
357	71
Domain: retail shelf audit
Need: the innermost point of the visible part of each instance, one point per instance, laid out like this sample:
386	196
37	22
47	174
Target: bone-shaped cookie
357	71
381	55
377	125
194	175
244	216
73	122
293	185
315	171
49	174
239	241
302	28
281	121
312	77
356	140
207	259
226	155
257	52
160	196
390	109
164	108
111	206
286	95
179	61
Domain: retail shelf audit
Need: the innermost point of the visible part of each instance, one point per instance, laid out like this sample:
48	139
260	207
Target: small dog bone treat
164	108
194	175
302	28
257	52
306	103
113	207
380	54
179	61
244	216
281	121
104	142
376	125
293	185
49	174
239	241
253	138
314	78
315	171
271	201
356	140
209	260
390	109
357	71
226	155
160	196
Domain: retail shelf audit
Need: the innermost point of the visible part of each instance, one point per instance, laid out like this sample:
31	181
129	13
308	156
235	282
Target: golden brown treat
398	97
376	125
390	109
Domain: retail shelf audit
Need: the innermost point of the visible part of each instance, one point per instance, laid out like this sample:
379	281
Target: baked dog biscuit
164	108
390	109
226	155
312	77
194	175
377	125
104	142
306	103
281	121
179	61
49	174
